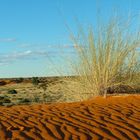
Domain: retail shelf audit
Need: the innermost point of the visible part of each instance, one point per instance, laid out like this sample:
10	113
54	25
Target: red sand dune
114	118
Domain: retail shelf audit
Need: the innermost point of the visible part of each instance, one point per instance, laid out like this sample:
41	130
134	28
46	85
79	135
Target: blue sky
32	30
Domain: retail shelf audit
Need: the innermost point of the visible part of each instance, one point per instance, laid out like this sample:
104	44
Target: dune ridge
113	118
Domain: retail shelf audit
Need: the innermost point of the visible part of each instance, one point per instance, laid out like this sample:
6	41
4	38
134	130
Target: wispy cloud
8	39
8	58
30	54
24	45
39	45
29	45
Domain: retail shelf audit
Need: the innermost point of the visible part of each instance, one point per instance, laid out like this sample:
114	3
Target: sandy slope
113	118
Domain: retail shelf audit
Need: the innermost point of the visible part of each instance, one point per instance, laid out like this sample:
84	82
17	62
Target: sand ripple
114	118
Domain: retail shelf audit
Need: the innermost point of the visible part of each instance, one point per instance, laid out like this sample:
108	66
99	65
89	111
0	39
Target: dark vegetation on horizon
44	80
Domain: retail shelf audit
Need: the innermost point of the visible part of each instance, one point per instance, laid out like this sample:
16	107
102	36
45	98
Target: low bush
43	86
36	99
25	100
106	58
19	80
12	91
35	81
4	99
2	83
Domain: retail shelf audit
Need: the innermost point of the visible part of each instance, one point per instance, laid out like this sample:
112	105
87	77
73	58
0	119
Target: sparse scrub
25	100
19	80
2	83
4	99
36	98
107	58
35	81
12	91
43	86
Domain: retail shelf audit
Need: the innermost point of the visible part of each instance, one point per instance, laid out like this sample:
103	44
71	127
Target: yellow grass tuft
106	58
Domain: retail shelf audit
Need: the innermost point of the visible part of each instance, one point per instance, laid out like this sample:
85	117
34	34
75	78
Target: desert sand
112	118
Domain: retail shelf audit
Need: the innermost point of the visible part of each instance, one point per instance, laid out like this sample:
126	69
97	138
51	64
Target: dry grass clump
106	58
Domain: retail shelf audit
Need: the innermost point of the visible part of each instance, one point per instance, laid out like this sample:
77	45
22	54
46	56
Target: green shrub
35	81
12	91
43	86
1	97
36	99
2	83
4	99
25	100
19	80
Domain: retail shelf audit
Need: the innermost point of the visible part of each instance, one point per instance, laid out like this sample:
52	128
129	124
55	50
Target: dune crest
112	118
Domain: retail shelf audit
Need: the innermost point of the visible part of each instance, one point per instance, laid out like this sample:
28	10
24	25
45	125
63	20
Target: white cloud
29	54
8	58
24	45
8	39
